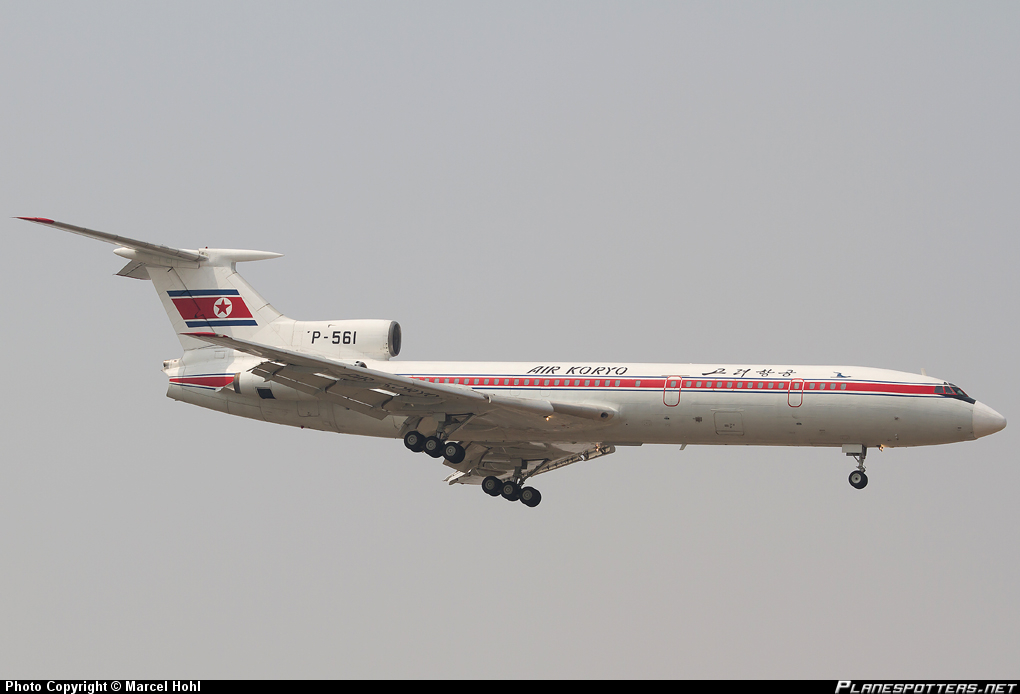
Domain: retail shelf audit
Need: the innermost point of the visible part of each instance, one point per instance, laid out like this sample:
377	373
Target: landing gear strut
858	479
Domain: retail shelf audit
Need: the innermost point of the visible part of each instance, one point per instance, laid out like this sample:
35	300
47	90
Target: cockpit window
953	392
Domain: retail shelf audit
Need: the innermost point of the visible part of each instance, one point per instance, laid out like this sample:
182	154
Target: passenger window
771	384
617	384
517	381
587	383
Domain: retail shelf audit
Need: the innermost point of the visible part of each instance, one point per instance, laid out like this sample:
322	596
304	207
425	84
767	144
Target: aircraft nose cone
986	420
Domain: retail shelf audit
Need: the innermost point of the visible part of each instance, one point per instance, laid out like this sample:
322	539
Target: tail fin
200	289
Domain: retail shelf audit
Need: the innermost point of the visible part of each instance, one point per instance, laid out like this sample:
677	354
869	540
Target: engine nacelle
349	339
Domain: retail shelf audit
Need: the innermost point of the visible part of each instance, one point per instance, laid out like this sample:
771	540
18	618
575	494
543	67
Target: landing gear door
671	389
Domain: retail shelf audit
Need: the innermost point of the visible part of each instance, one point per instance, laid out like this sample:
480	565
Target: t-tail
200	289
202	293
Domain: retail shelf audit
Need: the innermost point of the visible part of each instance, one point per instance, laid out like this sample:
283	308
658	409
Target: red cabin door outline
795	392
671	388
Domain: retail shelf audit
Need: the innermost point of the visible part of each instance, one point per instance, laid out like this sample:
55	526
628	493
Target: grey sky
761	182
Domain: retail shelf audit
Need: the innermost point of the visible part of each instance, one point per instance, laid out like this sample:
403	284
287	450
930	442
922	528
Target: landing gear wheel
414	441
434	447
858	480
453	452
531	497
511	491
492	486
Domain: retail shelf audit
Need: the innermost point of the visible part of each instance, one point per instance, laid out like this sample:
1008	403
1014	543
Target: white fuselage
652	403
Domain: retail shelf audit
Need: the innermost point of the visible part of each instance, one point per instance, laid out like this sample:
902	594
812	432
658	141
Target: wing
484	419
379	394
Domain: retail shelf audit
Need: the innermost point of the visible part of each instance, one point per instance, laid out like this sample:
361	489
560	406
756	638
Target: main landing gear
512	491
859	480
434	446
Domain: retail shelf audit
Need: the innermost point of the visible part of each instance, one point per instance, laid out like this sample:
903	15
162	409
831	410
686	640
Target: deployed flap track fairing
499	424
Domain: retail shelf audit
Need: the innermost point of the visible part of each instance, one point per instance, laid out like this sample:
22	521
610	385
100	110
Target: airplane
498	424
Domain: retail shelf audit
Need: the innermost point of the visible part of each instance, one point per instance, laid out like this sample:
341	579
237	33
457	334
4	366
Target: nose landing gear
858	479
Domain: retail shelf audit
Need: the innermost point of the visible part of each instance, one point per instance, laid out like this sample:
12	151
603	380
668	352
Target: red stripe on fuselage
689	385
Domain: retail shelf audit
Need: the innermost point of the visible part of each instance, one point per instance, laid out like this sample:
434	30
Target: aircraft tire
858	480
414	441
453	452
531	497
510	491
492	486
434	447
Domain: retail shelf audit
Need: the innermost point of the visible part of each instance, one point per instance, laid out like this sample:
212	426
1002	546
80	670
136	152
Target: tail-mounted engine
349	339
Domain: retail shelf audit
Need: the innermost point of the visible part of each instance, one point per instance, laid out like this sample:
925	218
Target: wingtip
40	220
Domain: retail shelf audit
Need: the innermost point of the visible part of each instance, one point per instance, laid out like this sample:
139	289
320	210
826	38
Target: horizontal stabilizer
144	246
145	253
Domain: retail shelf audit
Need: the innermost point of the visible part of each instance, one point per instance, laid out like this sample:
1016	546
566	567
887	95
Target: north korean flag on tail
211	307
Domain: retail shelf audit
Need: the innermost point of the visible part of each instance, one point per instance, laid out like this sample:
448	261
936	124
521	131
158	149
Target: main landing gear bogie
511	491
434	446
